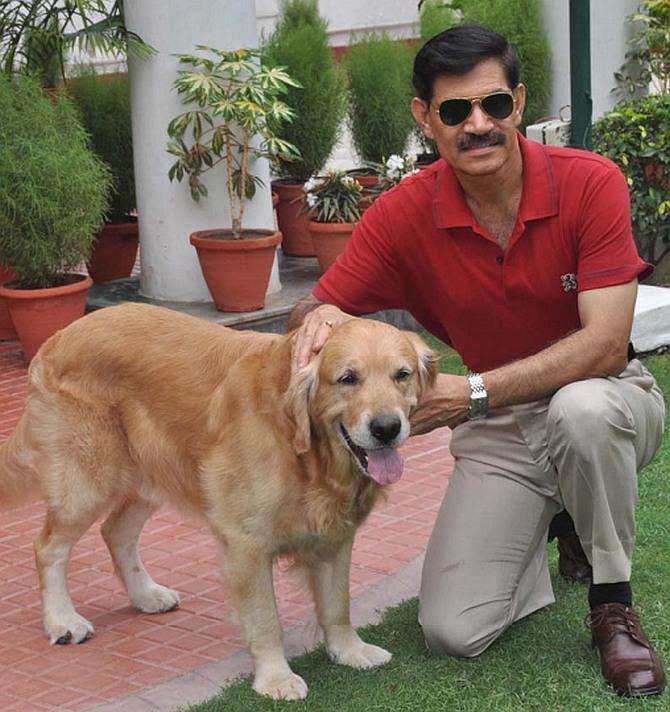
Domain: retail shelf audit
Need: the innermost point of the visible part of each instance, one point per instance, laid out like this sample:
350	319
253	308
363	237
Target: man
521	257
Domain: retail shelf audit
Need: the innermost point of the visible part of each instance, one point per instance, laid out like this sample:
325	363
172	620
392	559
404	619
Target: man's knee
585	413
463	634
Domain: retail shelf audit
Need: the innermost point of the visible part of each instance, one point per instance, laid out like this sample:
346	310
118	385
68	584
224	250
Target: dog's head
359	391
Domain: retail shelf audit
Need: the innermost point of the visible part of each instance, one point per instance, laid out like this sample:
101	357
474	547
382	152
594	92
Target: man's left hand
447	403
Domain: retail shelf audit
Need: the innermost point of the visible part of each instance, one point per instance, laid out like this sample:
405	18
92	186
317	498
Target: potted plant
379	70
300	43
105	109
53	196
334	202
235	104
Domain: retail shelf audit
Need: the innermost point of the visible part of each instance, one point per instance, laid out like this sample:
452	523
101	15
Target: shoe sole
645	692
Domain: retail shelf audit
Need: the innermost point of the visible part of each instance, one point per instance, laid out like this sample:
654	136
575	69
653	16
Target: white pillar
610	32
167	214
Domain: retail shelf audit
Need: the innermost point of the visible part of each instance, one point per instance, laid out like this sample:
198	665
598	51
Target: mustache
493	138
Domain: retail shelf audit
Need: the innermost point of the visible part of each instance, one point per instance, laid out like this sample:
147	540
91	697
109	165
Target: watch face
478	407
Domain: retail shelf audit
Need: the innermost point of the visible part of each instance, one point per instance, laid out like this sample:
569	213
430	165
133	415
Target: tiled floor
132	652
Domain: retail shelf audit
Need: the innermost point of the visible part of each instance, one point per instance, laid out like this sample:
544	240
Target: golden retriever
135	405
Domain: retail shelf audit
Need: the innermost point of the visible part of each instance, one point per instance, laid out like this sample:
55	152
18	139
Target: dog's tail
18	477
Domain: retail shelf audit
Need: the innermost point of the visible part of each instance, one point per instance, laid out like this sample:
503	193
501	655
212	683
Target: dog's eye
403	374
350	378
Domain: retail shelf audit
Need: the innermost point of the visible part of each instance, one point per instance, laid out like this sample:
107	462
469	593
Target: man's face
480	145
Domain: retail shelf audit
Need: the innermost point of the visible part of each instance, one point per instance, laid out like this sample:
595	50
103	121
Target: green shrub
436	16
520	21
649	49
105	109
636	136
380	93
300	43
53	189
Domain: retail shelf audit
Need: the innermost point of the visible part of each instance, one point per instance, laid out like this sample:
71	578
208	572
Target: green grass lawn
542	664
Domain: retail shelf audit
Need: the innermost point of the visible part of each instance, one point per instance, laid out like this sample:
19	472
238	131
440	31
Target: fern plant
380	93
105	110
53	189
300	43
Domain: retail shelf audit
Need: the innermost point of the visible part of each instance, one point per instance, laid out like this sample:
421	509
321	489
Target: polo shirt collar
539	198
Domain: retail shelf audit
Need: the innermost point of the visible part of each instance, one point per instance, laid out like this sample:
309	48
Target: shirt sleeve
607	252
365	277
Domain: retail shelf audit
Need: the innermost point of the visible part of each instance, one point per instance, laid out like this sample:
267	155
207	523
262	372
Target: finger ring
328	323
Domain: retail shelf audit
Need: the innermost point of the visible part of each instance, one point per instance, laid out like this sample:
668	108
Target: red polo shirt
420	248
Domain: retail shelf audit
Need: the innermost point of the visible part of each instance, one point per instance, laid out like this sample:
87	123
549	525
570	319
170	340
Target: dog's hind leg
329	578
249	572
53	547
121	532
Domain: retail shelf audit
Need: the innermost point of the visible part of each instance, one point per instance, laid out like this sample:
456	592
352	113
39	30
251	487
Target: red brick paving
132	651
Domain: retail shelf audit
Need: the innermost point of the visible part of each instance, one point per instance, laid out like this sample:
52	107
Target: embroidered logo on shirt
569	282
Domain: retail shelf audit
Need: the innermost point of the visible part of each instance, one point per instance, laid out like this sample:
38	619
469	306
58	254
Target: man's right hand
313	333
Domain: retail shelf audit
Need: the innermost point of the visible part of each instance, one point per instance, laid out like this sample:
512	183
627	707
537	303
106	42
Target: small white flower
395	163
347	180
311	200
312	183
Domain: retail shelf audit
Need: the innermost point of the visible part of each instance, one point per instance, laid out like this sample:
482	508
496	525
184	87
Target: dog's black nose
385	428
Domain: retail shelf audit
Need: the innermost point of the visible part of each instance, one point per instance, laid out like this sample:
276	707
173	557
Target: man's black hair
457	51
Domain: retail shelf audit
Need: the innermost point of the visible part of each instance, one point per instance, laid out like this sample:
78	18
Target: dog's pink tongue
384	465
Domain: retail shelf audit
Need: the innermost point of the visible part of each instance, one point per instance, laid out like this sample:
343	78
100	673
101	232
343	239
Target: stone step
651	325
298	275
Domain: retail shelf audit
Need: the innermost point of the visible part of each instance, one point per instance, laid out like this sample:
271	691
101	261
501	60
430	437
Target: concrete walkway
138	662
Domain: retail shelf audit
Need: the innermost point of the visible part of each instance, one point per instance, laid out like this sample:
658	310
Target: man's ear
421	112
299	396
429	361
520	96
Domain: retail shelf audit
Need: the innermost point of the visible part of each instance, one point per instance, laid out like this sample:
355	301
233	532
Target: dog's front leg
249	572
330	585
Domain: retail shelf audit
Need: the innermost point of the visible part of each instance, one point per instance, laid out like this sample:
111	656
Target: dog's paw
155	599
284	687
362	656
72	628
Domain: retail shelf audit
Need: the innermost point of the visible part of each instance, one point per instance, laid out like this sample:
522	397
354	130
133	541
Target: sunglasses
498	105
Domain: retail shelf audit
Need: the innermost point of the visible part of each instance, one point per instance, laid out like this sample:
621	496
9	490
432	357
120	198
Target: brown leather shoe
572	562
627	659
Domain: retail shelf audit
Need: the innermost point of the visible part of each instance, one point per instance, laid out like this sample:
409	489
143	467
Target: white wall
609	35
399	18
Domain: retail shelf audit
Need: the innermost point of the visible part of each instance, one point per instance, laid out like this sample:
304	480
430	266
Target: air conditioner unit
552	133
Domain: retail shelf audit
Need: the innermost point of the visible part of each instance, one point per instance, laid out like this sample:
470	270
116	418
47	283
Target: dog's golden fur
135	405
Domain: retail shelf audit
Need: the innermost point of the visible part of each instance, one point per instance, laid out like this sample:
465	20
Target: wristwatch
479	399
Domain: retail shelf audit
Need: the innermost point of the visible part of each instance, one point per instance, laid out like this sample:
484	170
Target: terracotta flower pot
293	224
237	272
329	239
39	313
114	252
7	330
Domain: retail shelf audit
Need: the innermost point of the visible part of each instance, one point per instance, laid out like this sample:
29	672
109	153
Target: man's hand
447	403
313	333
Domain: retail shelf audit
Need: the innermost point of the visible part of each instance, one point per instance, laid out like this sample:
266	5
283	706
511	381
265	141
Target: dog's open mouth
384	464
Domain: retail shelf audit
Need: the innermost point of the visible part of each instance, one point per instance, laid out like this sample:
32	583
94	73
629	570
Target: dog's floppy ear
429	361
299	395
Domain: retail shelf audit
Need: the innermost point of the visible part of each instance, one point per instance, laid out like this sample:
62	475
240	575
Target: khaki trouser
486	562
